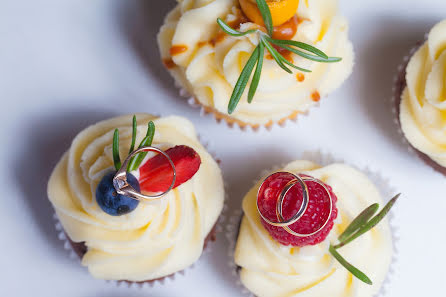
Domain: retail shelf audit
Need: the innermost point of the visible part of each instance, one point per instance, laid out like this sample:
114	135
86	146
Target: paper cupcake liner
324	159
242	126
167	279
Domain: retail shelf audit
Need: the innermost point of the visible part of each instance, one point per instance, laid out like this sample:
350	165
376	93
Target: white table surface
67	64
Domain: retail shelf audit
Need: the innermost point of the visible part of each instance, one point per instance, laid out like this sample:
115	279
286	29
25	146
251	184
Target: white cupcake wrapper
324	159
170	278
192	102
63	237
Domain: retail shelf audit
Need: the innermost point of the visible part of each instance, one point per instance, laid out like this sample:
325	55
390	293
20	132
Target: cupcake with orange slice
137	214
255	62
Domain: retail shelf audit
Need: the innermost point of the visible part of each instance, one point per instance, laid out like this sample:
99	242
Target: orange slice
281	10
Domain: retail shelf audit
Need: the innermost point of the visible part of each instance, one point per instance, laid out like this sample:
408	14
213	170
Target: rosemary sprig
243	80
301	45
135	162
280	59
275	54
353	270
363	223
266	16
257	57
228	30
359	221
367	226
134	127
116	158
257	72
147	141
305	55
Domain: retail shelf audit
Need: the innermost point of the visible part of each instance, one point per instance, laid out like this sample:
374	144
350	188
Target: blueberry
110	201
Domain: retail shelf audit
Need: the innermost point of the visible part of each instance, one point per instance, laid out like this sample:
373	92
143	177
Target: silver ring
279	205
288	229
124	188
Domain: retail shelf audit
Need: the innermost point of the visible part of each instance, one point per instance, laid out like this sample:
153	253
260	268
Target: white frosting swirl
269	269
209	70
423	102
153	241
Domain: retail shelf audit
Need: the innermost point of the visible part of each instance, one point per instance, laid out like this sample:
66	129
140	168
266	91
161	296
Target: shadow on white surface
238	183
130	293
140	22
49	136
388	42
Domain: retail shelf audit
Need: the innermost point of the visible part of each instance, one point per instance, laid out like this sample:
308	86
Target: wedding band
288	229
303	207
281	222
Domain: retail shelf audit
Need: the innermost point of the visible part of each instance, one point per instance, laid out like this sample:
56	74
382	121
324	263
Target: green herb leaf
266	15
230	31
353	270
258	58
301	45
311	57
371	223
116	158
150	131
306	55
280	60
134	127
359	221
278	57
257	72
292	65
135	162
243	81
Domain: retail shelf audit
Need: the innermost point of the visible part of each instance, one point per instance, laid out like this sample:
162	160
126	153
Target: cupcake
421	99
309	230
143	218
255	62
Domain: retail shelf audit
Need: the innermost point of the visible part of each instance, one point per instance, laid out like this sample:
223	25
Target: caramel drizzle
169	63
316	97
178	49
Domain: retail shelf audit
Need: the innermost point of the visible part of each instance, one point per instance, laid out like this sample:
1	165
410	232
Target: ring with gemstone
124	188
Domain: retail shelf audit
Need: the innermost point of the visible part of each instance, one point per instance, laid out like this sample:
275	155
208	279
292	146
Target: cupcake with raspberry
137	214
421	100
256	62
311	230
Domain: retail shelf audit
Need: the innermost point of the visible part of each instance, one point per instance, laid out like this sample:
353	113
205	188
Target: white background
67	64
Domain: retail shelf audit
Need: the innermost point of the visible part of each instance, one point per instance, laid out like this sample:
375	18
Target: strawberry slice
156	174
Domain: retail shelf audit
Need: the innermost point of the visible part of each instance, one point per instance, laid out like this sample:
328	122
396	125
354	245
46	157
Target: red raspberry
156	174
314	217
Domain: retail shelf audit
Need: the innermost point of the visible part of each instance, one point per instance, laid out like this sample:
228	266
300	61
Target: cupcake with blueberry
421	98
137	200
311	230
256	62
